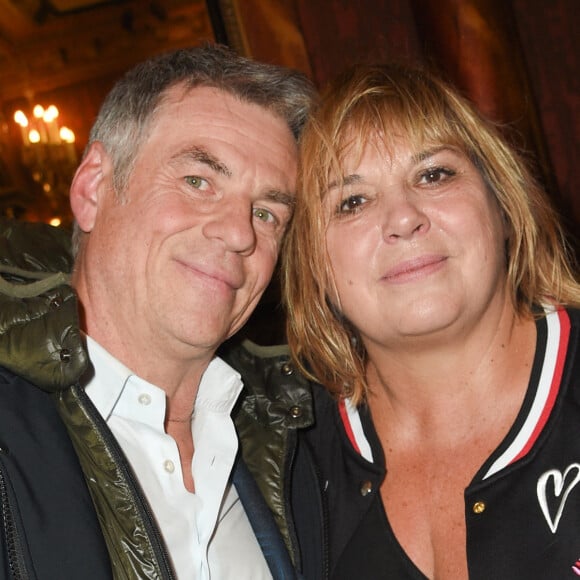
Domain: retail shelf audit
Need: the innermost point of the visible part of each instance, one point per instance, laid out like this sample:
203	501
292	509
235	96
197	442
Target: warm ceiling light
50	114
66	135
34	136
21	119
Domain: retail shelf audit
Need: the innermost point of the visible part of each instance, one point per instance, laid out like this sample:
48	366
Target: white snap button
145	399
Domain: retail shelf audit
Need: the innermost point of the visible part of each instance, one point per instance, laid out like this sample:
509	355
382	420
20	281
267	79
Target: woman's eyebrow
344	181
427	153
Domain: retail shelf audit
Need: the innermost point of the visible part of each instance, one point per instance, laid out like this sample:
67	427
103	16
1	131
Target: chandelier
49	154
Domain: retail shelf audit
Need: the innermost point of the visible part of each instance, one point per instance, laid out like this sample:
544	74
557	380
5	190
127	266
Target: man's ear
93	180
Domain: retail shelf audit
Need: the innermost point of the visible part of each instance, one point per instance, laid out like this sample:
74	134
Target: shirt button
169	466
286	369
478	507
366	487
144	399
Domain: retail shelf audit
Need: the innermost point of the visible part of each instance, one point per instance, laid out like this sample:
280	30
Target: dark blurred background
517	59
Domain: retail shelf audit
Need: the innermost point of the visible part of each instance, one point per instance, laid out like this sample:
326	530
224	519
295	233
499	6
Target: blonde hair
379	102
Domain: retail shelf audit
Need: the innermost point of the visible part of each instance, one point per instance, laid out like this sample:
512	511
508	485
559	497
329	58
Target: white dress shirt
207	533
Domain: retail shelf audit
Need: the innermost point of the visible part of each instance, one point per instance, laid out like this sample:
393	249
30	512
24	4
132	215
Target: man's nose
233	224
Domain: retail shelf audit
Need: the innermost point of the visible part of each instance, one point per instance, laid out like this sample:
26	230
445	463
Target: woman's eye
196	181
350	204
435	175
264	215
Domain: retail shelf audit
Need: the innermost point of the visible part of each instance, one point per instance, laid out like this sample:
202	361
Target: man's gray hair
130	106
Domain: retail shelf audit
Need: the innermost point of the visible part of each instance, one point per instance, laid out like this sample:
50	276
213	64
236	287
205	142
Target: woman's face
415	242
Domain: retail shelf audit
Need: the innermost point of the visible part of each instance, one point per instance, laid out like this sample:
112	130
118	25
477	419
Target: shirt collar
218	391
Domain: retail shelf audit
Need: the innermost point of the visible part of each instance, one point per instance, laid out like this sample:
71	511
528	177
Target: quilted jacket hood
40	338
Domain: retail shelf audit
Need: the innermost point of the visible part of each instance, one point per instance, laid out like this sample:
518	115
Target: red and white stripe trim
548	388
354	430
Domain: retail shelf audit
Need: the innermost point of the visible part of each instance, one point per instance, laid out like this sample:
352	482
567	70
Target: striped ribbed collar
541	397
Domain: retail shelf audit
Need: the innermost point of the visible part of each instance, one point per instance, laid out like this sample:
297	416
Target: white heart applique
561	490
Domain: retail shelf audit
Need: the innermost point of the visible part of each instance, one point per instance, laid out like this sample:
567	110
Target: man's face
184	259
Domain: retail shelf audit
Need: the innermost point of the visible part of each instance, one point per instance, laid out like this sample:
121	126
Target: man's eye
435	175
196	181
264	215
350	204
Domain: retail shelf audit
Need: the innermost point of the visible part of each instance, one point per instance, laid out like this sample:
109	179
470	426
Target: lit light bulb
66	135
21	119
34	136
50	114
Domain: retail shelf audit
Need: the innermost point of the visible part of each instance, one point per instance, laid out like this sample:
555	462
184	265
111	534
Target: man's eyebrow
201	155
344	181
278	196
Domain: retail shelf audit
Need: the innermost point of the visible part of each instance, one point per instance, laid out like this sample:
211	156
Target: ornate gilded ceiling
48	44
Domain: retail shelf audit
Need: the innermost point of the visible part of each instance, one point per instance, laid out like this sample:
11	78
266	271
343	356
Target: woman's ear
93	179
